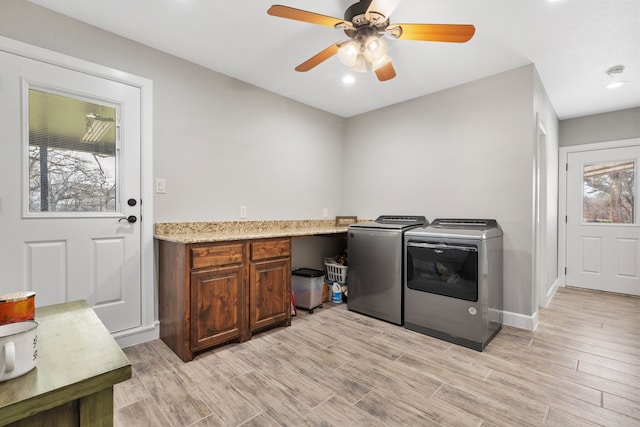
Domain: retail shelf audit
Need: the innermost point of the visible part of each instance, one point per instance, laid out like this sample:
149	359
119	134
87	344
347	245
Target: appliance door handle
442	246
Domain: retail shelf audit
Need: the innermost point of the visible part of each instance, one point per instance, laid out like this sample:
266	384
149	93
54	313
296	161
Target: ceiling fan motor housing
356	14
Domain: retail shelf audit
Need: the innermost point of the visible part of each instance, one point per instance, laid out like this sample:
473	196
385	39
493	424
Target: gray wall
463	152
220	143
613	126
547	168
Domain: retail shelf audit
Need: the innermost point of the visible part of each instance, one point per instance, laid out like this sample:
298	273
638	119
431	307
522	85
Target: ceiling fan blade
455	33
318	58
386	72
303	15
383	7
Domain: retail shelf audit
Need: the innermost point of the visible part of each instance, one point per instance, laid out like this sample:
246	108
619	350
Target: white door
70	162
603	231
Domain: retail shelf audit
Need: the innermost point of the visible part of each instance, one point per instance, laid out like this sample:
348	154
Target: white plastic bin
306	284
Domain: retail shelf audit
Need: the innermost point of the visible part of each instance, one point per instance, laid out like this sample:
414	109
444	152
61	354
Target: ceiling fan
365	22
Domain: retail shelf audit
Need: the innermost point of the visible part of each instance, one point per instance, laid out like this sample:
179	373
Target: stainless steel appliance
453	280
375	266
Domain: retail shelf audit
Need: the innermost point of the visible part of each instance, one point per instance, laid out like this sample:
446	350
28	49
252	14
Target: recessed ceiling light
348	79
614	73
616	84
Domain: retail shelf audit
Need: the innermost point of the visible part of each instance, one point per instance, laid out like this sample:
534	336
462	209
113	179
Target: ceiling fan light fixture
360	65
380	10
364	22
348	53
380	62
374	48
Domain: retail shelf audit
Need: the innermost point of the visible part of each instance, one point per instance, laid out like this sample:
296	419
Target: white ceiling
571	42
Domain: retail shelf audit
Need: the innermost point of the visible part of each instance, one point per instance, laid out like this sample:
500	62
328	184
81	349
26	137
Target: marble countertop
202	232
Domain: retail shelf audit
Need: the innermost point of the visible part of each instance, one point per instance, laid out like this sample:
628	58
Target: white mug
18	352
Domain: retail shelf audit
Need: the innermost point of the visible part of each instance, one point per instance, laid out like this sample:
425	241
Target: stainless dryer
453	280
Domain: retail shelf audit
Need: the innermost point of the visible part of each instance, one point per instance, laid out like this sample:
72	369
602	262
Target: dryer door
443	269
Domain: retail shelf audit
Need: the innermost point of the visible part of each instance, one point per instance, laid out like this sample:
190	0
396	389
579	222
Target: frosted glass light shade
360	65
374	48
348	53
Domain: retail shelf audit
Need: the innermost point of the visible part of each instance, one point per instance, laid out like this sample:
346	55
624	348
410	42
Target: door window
608	192
72	161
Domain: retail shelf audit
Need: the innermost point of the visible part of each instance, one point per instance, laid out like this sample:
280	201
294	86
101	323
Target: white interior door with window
602	226
70	193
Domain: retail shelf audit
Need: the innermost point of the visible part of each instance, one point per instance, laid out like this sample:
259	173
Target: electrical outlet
243	212
161	185
325	212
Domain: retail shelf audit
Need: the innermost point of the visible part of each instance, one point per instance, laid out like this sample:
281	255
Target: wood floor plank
230	406
175	398
621	405
143	413
581	367
261	420
130	392
393	412
421	407
493	410
278	404
559	418
632	379
594	382
303	388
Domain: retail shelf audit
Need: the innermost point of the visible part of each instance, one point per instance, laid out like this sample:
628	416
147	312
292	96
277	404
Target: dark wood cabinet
269	283
216	306
213	293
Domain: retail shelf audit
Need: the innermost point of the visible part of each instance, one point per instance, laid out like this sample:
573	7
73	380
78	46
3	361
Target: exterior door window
608	192
72	161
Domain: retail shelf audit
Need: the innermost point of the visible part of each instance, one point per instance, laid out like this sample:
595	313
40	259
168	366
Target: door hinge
566	166
566	219
565	271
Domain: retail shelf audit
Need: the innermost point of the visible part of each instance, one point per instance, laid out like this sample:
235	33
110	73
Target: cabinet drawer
270	248
216	255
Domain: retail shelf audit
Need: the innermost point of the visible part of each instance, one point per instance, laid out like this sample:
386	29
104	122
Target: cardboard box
326	293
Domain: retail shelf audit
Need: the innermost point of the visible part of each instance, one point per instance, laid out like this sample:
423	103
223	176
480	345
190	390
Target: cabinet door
269	292
216	306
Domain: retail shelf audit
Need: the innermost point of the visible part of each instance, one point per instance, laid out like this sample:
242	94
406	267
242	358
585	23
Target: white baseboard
550	293
521	321
138	335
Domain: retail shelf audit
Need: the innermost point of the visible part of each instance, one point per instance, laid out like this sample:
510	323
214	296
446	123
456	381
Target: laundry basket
335	272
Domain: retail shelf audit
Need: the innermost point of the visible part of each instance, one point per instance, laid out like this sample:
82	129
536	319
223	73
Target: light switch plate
161	185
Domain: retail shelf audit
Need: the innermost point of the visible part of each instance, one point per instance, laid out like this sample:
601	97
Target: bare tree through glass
609	192
72	154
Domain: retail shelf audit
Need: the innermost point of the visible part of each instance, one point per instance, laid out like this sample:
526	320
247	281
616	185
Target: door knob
130	218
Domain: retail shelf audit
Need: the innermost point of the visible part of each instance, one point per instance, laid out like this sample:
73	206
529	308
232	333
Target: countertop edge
230	231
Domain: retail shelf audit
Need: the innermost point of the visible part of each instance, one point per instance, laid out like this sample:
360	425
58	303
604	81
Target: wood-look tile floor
581	367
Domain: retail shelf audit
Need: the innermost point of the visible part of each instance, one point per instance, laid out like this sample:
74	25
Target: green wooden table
72	384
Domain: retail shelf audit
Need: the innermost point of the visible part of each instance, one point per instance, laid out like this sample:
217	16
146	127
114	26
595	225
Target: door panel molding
50	288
